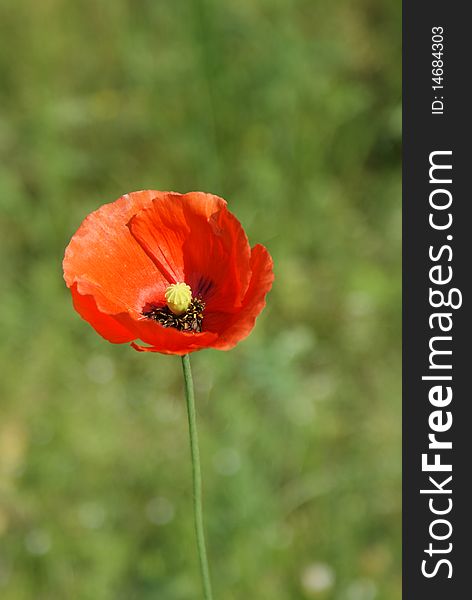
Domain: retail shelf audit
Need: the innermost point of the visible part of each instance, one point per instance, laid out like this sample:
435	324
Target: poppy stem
197	477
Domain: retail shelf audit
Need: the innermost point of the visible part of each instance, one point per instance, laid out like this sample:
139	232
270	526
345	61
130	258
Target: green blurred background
290	109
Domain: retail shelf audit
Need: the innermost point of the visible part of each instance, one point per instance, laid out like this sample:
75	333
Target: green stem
197	477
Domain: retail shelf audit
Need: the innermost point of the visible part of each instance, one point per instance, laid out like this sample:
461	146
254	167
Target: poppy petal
193	238
169	340
105	261
242	323
106	325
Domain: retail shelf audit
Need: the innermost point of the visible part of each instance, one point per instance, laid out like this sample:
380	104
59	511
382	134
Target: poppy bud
178	297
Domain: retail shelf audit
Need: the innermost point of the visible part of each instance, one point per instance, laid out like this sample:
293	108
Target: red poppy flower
173	270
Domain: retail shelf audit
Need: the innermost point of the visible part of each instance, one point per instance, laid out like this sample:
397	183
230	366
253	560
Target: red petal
104	260
169	340
240	325
193	238
106	325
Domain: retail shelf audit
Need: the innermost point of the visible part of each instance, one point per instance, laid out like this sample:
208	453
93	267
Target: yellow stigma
178	297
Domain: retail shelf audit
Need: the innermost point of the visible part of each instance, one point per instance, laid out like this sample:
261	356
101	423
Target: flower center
178	297
182	311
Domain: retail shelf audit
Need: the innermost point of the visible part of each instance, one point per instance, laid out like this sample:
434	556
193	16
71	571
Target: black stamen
191	320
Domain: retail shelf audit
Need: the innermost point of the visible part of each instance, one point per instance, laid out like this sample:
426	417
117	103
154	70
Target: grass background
290	109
